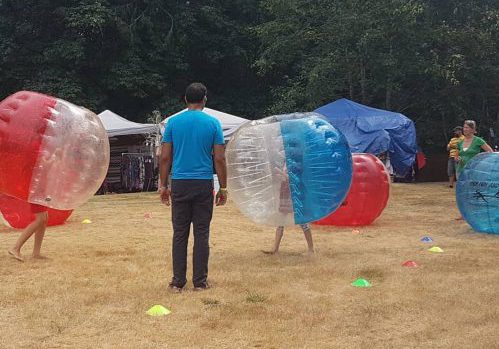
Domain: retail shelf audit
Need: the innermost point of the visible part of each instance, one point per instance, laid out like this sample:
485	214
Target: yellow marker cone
158	310
436	249
86	221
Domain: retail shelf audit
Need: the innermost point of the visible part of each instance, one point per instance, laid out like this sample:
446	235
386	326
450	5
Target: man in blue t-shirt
191	142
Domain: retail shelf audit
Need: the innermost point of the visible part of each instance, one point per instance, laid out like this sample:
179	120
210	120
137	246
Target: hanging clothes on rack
137	173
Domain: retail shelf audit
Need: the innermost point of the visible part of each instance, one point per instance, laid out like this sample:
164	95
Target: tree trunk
388	96
350	84
351	68
483	120
444	128
363	82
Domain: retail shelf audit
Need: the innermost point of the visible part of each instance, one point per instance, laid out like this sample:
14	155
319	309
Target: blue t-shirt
193	134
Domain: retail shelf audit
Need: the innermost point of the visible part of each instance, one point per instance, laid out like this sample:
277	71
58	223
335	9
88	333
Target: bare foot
460	218
311	253
16	255
269	252
39	256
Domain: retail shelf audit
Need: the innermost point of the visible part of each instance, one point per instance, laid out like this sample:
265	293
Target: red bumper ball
368	194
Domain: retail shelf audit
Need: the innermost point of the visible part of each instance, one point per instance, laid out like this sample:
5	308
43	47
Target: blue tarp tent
371	130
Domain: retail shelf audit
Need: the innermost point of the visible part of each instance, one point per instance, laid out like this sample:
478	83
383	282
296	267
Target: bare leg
460	218
39	234
308	236
26	234
451	181
279	232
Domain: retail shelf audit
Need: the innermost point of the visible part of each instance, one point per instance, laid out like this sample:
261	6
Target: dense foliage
436	61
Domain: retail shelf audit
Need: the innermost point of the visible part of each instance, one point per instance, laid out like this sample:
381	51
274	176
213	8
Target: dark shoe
174	288
202	287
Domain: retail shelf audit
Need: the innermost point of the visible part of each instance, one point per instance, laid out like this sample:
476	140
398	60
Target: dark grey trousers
192	202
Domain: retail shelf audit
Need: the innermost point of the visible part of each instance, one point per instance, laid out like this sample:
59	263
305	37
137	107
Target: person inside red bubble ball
39	225
36	227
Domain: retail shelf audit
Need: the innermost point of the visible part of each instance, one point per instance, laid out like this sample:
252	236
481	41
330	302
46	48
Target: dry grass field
101	278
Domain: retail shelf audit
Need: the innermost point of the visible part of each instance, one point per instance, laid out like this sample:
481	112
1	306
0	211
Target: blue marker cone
426	239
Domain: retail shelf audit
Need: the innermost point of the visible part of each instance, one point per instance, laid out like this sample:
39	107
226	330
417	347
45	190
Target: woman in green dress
470	146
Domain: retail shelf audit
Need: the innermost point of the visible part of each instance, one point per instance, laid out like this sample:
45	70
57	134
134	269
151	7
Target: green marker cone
158	310
436	249
361	283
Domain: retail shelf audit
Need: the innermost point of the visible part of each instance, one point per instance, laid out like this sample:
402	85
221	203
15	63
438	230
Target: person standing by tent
189	141
453	154
470	145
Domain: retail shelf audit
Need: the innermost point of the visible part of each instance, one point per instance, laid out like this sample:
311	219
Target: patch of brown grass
102	277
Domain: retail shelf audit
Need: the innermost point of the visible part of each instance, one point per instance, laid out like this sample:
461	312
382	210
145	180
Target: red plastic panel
17	213
368	194
23	120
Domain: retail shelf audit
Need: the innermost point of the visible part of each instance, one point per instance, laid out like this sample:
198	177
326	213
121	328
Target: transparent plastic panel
73	158
255	158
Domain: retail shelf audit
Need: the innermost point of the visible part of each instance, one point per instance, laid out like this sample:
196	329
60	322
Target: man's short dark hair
195	92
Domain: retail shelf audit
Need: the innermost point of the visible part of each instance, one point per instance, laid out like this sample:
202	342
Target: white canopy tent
230	123
116	125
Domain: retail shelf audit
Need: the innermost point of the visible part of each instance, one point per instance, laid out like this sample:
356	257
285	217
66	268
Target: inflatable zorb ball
368	193
52	153
288	169
477	193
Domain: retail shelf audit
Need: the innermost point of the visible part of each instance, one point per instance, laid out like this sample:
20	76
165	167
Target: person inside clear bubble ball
37	227
286	207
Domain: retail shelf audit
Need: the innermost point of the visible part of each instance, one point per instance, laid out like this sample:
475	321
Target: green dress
466	155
